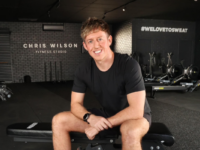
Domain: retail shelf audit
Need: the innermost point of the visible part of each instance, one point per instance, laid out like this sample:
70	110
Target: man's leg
62	124
132	132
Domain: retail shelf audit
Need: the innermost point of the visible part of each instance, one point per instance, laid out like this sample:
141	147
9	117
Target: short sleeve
133	77
79	85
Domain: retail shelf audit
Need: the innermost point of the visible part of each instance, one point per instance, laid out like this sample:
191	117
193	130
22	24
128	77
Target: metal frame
28	139
73	140
168	88
101	144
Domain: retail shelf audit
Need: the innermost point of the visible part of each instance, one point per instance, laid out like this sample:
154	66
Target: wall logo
163	29
51	47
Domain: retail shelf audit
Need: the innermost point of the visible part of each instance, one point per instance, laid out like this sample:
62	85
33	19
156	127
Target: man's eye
89	41
100	39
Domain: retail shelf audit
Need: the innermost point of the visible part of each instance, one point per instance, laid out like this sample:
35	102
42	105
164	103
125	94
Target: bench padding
42	131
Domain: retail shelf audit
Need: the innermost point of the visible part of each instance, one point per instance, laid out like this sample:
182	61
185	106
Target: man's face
97	43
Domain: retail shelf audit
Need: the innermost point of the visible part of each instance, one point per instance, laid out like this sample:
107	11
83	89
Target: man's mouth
97	52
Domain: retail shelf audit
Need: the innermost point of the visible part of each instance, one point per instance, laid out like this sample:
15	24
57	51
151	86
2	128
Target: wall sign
52	47
163	29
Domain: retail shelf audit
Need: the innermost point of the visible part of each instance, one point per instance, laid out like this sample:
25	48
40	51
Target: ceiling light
124	9
53	27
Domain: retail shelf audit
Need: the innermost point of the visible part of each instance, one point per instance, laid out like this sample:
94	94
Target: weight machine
174	74
5	92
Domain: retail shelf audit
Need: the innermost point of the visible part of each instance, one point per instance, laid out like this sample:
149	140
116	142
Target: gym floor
39	102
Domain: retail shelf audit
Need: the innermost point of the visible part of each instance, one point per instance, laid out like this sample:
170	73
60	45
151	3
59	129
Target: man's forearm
124	115
78	110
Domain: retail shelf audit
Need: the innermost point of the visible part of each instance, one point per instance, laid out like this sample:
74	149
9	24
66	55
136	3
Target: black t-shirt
112	86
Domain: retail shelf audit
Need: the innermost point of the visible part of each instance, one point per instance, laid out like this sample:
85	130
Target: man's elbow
138	114
141	115
73	107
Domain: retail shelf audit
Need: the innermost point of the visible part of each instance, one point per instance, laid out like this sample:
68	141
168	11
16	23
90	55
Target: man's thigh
135	128
116	130
102	112
70	122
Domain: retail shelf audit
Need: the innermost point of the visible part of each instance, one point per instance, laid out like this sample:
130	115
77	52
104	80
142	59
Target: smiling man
117	83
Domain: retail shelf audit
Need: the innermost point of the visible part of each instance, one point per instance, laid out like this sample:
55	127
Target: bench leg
152	94
146	145
151	145
101	147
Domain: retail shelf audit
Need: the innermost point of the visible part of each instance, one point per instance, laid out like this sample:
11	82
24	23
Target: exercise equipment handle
152	63
182	63
162	77
175	80
195	86
169	64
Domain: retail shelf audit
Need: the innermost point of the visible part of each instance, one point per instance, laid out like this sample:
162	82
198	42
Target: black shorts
115	130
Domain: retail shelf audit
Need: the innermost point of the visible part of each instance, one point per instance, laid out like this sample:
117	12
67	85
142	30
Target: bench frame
41	132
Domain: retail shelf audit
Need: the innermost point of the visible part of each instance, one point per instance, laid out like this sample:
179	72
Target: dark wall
179	41
197	46
30	59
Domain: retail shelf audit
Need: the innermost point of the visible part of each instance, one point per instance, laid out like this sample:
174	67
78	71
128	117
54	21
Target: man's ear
85	46
110	40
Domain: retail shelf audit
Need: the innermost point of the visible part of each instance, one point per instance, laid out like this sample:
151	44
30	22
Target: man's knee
133	131
130	134
61	120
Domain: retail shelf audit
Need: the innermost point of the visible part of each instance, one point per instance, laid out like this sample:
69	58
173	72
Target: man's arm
77	107
135	110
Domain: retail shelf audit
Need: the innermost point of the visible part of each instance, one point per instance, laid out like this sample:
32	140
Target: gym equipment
190	72
155	69
151	64
136	56
56	78
60	70
197	84
175	73
157	136
184	86
57	75
4	92
143	69
50	72
172	71
45	71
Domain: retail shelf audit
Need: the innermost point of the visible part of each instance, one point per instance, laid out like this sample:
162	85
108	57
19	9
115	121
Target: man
117	83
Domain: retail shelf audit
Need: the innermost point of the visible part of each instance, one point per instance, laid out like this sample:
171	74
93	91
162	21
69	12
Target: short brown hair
93	23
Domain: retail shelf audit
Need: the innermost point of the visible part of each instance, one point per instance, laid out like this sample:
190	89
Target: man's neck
105	64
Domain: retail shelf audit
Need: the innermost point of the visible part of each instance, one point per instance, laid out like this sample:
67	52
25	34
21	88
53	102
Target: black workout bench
157	136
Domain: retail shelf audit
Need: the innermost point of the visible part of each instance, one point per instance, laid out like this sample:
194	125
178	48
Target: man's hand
98	122
91	132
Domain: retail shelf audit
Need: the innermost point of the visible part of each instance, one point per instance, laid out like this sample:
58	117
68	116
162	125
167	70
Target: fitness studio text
51	45
50	51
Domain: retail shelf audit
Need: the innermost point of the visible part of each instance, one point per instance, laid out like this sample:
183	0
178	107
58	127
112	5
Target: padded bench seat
41	132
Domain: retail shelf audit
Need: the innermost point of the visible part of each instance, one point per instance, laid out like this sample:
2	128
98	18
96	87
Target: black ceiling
76	11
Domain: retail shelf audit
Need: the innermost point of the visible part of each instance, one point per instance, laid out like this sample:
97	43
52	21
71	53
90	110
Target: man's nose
96	44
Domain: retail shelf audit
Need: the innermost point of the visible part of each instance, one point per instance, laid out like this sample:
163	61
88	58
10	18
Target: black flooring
39	102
